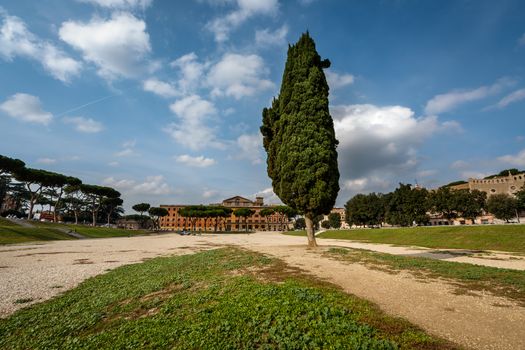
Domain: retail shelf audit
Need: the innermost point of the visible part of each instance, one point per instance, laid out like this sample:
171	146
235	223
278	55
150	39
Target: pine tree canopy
299	135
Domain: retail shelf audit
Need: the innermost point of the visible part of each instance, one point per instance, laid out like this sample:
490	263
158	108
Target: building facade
342	214
509	184
275	222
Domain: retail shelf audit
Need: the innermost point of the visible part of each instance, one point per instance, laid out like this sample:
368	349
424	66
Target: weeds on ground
467	277
220	299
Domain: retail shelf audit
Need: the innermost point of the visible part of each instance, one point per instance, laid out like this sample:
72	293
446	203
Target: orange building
275	222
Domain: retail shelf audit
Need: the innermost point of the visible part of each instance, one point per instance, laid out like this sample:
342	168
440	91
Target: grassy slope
467	277
44	231
490	237
225	298
19	234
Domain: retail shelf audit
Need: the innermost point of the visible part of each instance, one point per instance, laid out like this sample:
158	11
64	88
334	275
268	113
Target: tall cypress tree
299	136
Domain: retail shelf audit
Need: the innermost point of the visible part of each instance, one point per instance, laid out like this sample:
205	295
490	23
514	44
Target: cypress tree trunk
312	243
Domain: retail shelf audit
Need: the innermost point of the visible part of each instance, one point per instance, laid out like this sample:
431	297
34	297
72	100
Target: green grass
44	231
467	277
19	234
220	299
509	238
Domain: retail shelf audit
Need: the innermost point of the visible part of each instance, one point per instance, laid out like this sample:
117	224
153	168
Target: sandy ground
480	321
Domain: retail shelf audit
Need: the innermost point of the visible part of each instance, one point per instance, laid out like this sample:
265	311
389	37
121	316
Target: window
492	190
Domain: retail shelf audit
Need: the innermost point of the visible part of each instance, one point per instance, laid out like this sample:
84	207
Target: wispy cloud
515	96
199	161
85	125
446	102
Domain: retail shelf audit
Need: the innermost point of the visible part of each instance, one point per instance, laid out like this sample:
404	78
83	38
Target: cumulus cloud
191	72
514	159
268	195
117	46
192	129
152	185
17	40
266	37
199	161
82	124
210	194
120	4
160	88
46	161
246	9
450	100
238	76
515	96
378	144
249	146
336	80
26	108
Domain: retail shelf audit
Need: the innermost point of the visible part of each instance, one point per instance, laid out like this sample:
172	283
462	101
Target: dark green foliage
505	172
455	183
520	198
197	302
335	220
10	165
299	224
141	207
503	206
325	224
299	135
156	213
406	206
366	209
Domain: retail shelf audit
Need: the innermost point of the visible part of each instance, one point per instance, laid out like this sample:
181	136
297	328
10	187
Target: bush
16	213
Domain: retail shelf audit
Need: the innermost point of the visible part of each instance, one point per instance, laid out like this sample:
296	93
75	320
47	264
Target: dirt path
41	271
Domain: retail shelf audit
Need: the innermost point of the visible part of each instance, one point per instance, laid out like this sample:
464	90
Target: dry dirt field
478	321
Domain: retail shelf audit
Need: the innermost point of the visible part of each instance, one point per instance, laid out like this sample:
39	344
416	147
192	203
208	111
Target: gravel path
481	321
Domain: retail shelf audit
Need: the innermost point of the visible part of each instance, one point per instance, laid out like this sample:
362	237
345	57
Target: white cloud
515	96
210	194
459	164
46	161
268	195
160	88
192	129
191	72
249	146
265	37
378	144
336	81
86	125
26	108
450	100
425	173
114	164
128	149
199	161
515	160
120	4
222	26
238	76
117	46
473	175
521	40
17	40
152	185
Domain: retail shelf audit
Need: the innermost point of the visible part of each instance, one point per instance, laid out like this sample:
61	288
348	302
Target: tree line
65	195
215	214
408	205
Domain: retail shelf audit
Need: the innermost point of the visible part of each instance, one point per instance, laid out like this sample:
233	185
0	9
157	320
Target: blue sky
162	99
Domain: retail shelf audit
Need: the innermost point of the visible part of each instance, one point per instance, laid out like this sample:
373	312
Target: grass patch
220	299
19	234
467	277
46	231
510	238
